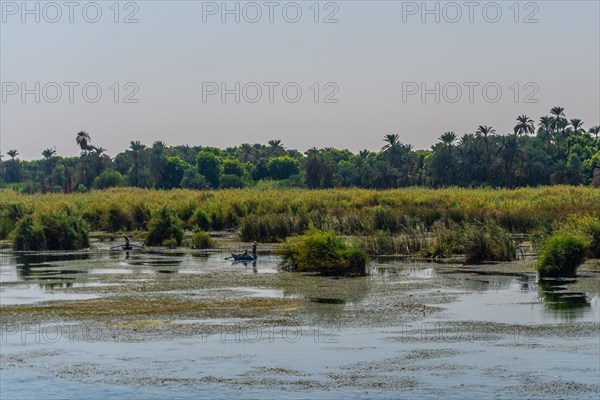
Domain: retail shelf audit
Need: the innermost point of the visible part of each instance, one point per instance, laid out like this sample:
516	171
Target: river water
408	330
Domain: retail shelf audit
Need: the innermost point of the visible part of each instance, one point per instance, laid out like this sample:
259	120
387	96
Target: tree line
556	150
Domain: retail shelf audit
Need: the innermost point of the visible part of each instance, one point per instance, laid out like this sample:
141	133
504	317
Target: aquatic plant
200	219
29	235
274	214
165	228
58	230
487	242
561	254
412	241
477	241
200	240
64	230
325	253
592	230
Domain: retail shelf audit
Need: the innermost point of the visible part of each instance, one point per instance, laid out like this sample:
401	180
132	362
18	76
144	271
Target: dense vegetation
323	252
558	151
561	255
430	222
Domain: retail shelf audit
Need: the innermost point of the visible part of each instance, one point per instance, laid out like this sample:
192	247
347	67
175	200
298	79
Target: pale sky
179	53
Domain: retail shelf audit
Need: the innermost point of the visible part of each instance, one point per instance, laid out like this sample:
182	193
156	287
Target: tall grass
273	214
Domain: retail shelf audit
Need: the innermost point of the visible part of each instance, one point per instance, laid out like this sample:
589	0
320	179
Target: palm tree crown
12	154
524	125
83	140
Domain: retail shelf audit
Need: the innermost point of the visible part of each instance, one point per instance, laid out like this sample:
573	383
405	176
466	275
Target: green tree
83	140
524	126
173	172
483	136
210	166
193	180
109	178
283	167
233	167
137	149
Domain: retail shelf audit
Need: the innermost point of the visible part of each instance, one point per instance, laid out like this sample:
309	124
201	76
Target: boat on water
243	257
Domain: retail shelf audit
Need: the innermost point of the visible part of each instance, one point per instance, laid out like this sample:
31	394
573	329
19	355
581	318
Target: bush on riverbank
325	253
165	228
561	254
29	235
200	240
58	230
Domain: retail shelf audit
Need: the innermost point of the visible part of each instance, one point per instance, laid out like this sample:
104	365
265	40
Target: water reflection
556	296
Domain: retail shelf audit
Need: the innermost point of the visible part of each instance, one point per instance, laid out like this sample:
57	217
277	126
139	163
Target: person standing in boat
254	245
127	246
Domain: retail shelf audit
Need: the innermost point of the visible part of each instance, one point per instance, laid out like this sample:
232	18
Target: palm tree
483	133
392	141
136	148
12	154
558	119
83	140
524	125
545	125
98	151
558	112
595	130
576	126
448	138
275	144
157	162
48	153
508	152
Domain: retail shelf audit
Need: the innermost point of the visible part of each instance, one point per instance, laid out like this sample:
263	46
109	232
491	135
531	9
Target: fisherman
245	252
254	245
127	246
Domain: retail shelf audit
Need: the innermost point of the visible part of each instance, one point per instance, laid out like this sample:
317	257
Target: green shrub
58	230
229	181
64	230
117	219
171	243
325	253
109	178
200	219
9	216
141	215
164	226
561	254
200	240
29	235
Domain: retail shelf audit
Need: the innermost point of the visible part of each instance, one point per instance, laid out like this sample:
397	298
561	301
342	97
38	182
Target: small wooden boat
243	257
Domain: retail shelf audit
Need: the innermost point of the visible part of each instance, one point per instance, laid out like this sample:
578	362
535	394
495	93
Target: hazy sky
179	55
